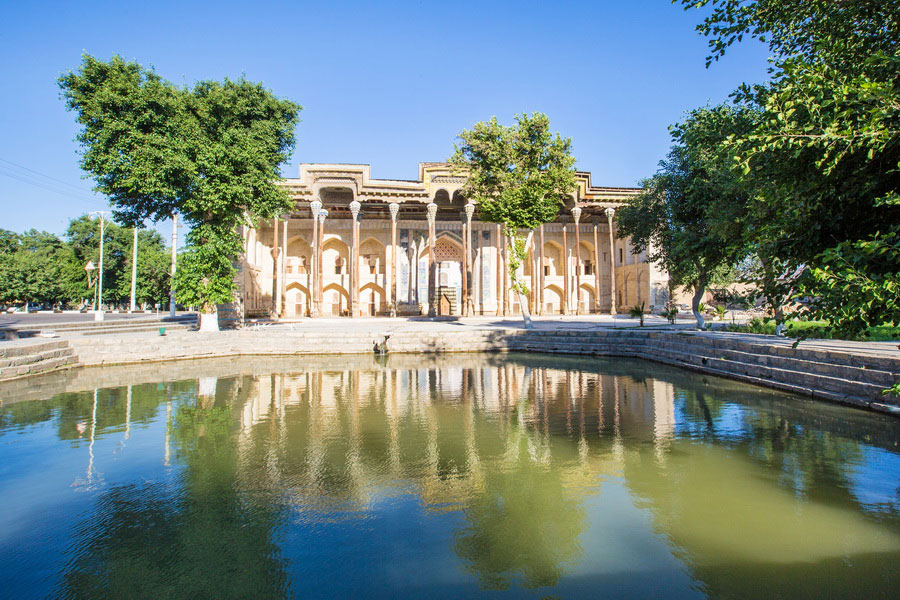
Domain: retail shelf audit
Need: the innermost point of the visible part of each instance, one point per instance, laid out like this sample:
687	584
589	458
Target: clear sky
385	83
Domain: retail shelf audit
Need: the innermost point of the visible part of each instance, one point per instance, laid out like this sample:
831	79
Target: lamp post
174	264
89	268
134	249
98	313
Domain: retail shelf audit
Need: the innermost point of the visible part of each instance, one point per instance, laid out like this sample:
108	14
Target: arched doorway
335	300
297	301
553	298
371	300
586	299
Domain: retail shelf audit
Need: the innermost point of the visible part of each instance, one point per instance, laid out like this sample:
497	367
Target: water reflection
456	476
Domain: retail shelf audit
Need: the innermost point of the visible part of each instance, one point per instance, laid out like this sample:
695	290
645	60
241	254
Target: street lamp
89	268
98	314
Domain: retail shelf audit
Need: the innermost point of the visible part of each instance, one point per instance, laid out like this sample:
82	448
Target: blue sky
385	83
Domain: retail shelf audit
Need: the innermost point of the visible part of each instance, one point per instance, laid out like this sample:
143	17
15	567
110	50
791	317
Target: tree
825	154
32	271
519	176
688	217
210	153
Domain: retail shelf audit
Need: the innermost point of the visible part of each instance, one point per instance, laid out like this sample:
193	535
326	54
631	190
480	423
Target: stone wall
847	377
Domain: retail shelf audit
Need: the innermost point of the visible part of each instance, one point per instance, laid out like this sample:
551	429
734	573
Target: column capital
610	213
470	210
394	208
431	212
315	206
322	214
354	208
576	214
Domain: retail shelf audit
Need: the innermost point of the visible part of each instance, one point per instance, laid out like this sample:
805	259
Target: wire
47	186
75	187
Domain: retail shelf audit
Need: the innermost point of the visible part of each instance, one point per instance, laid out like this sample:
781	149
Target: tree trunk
209	320
699	289
516	261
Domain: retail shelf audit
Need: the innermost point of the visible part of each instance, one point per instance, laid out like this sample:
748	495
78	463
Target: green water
452	477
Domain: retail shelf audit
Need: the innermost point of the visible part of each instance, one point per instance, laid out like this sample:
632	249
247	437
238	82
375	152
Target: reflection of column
354	259
610	213
315	206
540	309
392	295
322	214
432	288
565	258
596	269
576	214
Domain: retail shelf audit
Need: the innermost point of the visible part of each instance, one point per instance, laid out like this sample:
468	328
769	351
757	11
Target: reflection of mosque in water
516	446
349	433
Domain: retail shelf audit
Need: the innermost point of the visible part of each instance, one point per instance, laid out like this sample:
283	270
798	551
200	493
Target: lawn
816	330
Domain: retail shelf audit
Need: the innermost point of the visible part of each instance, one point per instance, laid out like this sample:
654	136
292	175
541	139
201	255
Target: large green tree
519	176
210	153
825	154
689	216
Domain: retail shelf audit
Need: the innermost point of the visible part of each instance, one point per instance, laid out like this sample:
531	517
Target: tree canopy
688	217
519	176
37	266
210	153
821	165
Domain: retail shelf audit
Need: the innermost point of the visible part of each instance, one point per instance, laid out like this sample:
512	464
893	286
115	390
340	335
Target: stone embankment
848	373
20	359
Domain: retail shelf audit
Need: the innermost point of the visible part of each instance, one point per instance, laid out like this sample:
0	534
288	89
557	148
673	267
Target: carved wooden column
432	264
392	296
276	288
282	274
565	260
467	281
596	268
576	214
610	213
314	207
321	276
540	309
354	259
504	271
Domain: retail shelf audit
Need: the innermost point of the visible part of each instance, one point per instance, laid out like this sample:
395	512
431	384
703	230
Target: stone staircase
855	378
21	359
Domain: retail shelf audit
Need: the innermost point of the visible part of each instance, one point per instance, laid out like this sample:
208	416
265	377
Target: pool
519	476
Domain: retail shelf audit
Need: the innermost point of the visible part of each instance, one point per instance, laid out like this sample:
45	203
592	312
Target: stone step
27	359
14	349
802	379
822	367
37	367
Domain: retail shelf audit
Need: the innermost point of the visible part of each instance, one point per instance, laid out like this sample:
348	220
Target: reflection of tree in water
197	538
522	524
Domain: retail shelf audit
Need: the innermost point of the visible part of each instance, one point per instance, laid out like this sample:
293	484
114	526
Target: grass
816	330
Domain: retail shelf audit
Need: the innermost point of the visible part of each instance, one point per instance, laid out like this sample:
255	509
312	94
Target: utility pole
174	257
134	270
98	314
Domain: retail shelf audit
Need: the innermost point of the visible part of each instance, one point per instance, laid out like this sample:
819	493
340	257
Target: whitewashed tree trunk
209	321
523	299
695	305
